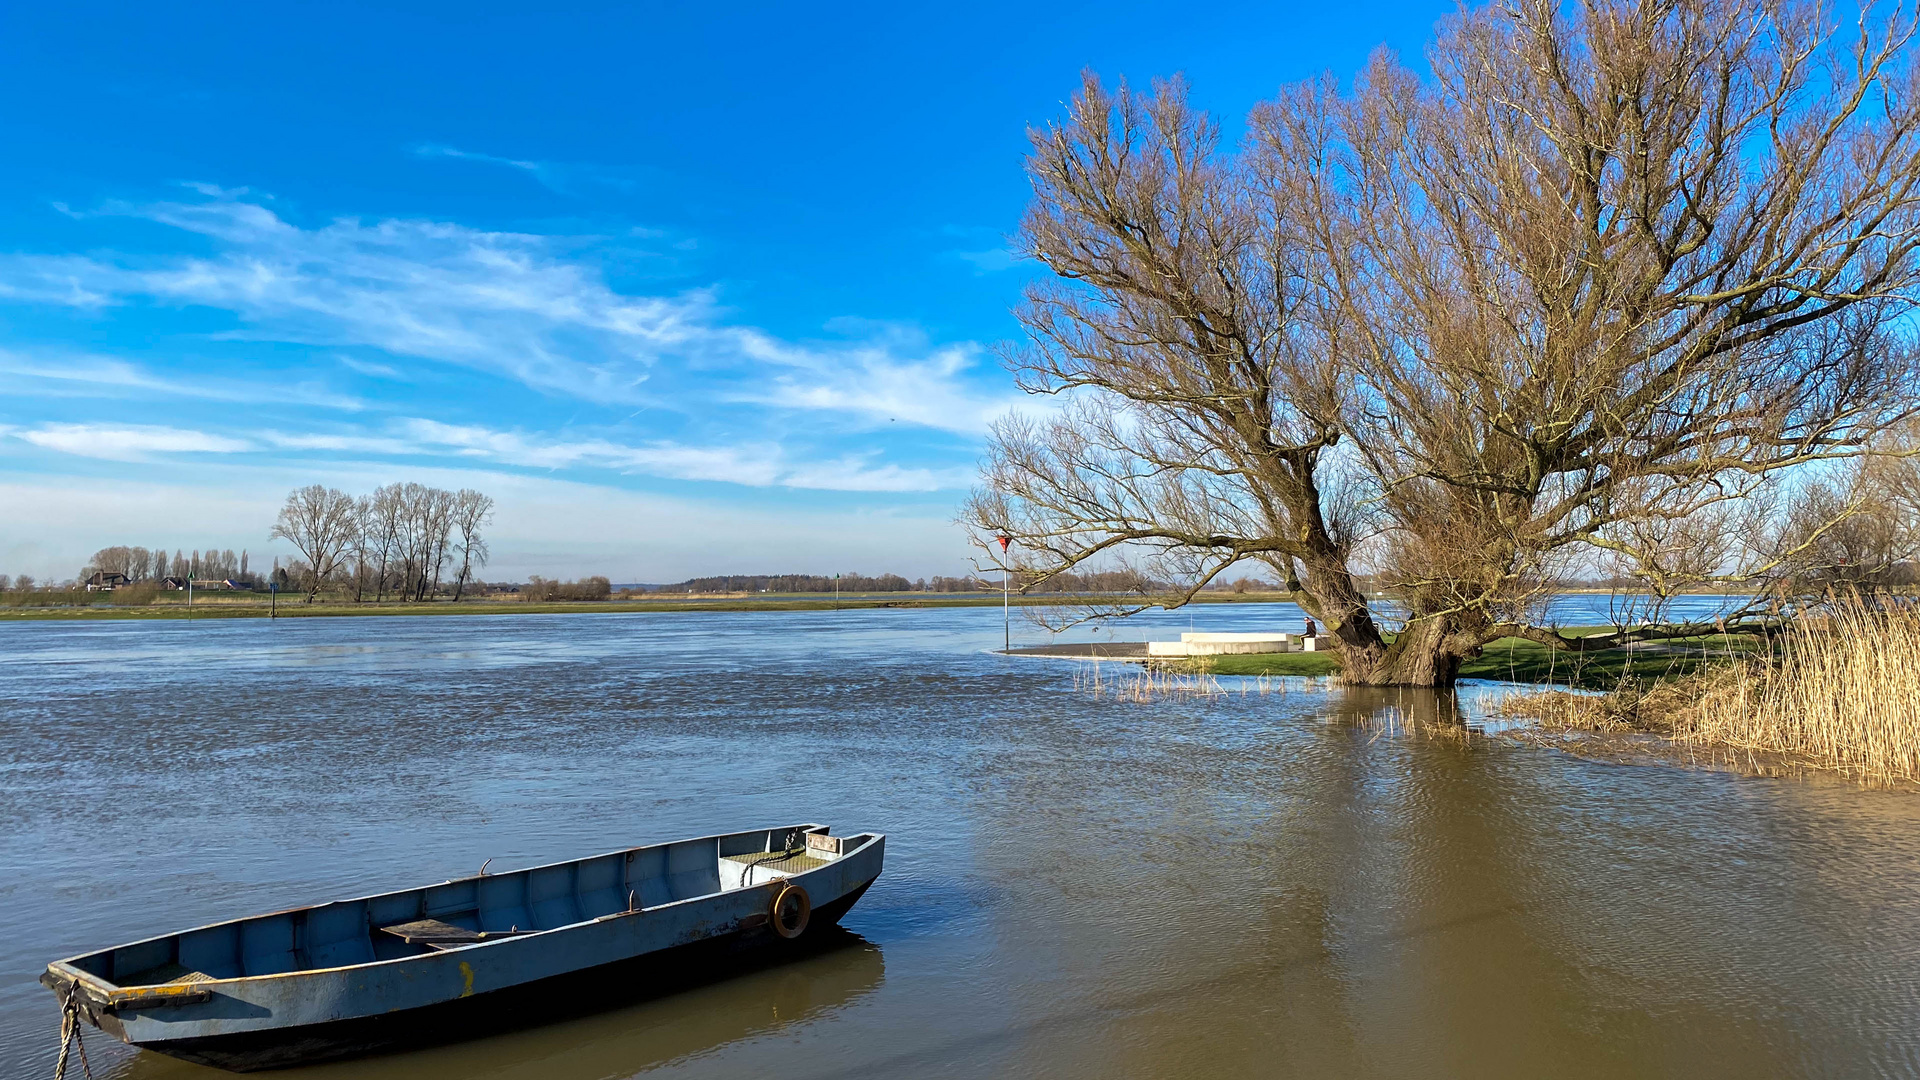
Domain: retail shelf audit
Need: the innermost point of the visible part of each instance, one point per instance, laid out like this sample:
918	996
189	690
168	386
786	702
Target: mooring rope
70	1037
775	856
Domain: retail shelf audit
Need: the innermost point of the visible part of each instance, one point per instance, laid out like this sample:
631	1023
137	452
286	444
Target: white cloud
436	150
989	261
558	177
762	464
356	444
871	381
748	464
127	442
368	367
512	303
92	376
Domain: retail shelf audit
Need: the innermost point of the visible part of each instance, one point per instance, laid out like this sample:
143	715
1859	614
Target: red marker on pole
1006	607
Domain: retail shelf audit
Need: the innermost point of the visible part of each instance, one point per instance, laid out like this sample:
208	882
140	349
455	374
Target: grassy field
1518	660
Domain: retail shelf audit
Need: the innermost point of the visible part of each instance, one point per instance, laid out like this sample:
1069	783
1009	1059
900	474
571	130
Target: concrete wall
1203	644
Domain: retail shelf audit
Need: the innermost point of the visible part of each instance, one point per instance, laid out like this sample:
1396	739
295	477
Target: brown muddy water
1276	885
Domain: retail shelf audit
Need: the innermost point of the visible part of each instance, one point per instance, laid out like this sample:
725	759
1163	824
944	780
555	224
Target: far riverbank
252	605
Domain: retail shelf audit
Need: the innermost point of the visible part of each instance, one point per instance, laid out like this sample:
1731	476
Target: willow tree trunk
1428	652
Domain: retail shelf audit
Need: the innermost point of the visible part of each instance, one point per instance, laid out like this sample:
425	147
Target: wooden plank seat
438	934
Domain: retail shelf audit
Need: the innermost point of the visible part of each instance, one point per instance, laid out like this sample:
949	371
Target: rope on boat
774	856
70	1038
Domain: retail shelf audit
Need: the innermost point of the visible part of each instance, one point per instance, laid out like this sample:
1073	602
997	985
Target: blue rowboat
357	976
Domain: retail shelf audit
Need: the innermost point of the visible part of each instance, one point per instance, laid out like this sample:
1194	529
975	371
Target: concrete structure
1208	644
1204	644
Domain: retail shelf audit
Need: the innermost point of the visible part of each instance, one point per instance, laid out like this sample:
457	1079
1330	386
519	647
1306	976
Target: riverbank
257	606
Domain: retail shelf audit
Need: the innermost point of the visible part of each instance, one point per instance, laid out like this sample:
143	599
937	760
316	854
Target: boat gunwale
65	968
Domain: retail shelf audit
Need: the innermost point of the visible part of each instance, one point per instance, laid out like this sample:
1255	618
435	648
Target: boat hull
454	959
548	1000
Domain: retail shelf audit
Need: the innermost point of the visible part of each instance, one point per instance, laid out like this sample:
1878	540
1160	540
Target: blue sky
689	289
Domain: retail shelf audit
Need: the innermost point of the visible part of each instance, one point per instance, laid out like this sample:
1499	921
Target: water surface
1270	885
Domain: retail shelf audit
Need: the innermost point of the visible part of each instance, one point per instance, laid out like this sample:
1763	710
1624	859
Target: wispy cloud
989	261
763	464
368	367
874	382
437	150
92	376
513	303
760	464
561	178
127	442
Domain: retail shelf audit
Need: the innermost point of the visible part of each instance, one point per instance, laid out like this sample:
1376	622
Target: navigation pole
1006	606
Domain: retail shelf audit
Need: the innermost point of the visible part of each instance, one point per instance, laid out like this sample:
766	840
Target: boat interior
469	911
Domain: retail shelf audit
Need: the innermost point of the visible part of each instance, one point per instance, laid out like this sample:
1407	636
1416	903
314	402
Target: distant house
103	581
176	583
212	583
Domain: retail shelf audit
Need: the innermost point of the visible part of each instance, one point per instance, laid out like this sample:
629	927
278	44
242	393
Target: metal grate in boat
166	975
786	862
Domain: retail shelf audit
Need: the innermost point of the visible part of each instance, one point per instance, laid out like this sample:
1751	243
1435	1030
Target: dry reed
1839	690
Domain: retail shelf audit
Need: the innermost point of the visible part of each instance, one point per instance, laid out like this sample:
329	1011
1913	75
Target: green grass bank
1522	661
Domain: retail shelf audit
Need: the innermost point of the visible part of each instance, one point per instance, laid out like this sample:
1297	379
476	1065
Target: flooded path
1255	885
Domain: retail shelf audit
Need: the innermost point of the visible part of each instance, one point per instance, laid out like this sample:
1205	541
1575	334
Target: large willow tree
1572	297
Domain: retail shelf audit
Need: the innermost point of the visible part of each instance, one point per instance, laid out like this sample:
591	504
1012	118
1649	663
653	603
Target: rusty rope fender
779	921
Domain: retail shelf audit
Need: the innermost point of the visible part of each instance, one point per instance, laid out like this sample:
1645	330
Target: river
1259	885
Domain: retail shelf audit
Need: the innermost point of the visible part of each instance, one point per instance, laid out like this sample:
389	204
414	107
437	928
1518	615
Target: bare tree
132	562
381	514
318	521
1609	270
472	511
435	512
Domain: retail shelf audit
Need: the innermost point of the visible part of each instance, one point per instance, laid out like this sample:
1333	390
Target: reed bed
1838	690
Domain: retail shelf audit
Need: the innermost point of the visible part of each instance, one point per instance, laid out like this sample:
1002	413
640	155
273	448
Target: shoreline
217	606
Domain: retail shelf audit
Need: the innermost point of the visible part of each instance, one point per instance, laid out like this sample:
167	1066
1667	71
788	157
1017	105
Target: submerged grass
1145	684
1519	660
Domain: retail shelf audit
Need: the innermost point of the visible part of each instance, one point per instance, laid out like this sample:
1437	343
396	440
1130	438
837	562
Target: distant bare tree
1609	270
133	562
380	515
435	515
319	522
472	512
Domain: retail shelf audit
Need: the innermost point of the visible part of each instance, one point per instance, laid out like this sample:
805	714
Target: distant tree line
590	588
138	564
1091	581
